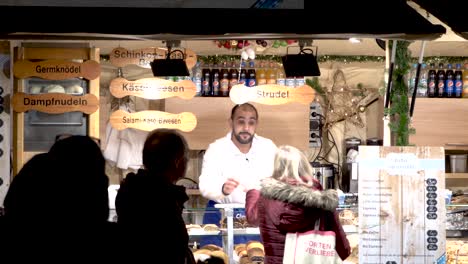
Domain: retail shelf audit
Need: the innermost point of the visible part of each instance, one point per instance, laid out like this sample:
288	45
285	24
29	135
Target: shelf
456	175
243	231
458	180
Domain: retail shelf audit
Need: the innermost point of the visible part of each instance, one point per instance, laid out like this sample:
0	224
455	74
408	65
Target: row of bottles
217	80
449	81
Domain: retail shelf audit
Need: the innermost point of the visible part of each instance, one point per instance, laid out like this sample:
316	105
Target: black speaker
315	125
169	67
304	64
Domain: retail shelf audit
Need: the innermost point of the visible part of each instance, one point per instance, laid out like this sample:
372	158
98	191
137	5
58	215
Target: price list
401	210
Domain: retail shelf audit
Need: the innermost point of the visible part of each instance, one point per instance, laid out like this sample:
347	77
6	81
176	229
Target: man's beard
243	141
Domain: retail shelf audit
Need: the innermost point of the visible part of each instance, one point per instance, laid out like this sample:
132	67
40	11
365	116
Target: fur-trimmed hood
300	195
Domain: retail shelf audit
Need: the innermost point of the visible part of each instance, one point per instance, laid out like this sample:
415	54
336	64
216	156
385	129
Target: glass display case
233	224
41	128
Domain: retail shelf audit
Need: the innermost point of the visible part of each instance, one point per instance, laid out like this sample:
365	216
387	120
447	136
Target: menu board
401	205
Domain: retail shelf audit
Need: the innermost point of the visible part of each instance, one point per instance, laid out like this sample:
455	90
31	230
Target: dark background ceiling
388	19
452	12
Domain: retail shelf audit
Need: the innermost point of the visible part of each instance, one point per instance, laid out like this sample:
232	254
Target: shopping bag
313	246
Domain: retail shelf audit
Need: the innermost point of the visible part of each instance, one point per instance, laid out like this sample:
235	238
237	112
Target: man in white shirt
234	164
237	162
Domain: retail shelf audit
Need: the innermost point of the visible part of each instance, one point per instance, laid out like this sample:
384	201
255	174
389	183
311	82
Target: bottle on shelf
233	75
458	82
251	76
261	74
422	85
431	81
440	76
299	81
197	78
206	81
271	73
465	81
290	82
215	78
411	79
280	76
449	82
224	82
243	74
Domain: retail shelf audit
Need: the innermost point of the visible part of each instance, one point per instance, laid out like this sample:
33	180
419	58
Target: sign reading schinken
121	57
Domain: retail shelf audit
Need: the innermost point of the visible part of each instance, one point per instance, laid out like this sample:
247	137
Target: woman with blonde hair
290	201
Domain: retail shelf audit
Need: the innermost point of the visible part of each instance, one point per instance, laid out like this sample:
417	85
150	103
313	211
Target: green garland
399	108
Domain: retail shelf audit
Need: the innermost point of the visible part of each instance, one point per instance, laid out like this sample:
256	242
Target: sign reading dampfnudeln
401	205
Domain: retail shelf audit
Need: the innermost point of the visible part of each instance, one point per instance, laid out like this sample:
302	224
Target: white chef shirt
223	160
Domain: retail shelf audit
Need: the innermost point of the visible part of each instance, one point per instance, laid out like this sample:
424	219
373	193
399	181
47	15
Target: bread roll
54	88
74	89
244	260
210	227
256	254
212	247
36	89
254	244
238	248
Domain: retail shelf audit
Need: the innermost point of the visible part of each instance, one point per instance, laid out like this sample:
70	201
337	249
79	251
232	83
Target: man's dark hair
165	151
244	105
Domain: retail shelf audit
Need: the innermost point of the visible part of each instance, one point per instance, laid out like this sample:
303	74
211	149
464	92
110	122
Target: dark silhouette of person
57	208
149	204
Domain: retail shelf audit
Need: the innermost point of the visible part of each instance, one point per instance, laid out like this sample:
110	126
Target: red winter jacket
279	208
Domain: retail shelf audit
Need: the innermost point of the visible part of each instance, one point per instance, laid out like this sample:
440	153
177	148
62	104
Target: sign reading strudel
57	69
401	205
150	119
152	88
142	57
271	94
55	103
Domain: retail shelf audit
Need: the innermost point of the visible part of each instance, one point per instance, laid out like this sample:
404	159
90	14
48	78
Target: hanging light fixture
168	66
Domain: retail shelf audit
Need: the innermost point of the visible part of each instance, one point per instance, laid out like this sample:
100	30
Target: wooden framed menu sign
152	88
150	119
271	94
55	103
57	69
401	205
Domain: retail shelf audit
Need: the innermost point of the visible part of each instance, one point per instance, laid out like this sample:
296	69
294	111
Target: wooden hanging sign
271	94
57	69
152	88
55	103
149	120
142	57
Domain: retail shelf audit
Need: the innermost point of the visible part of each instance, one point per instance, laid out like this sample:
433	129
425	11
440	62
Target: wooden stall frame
49	53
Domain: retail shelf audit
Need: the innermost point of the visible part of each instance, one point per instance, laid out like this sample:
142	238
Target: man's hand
229	186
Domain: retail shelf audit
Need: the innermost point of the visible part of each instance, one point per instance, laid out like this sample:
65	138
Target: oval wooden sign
55	103
152	88
271	94
149	120
142	57
57	69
